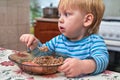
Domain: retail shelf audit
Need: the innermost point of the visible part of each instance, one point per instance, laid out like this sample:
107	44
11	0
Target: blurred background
39	17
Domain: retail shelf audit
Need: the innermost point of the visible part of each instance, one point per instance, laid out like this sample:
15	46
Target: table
10	71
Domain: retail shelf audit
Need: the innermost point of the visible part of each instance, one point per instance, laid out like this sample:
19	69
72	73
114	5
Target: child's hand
72	67
30	40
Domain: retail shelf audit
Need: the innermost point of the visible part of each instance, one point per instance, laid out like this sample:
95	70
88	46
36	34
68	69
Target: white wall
46	3
112	6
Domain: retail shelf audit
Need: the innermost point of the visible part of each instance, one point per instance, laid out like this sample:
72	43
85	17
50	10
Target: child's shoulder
96	37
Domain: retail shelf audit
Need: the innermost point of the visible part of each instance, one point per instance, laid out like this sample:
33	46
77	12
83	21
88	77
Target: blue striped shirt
90	47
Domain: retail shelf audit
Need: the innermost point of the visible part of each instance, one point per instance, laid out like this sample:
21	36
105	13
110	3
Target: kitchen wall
14	21
112	6
46	3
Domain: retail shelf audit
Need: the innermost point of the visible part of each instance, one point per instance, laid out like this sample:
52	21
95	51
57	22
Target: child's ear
88	19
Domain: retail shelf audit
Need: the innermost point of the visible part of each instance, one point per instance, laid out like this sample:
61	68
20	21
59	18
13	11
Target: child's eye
67	14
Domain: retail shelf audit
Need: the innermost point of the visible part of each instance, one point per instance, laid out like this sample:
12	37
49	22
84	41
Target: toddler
78	23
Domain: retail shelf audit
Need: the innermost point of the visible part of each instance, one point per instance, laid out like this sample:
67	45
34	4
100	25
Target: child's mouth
62	29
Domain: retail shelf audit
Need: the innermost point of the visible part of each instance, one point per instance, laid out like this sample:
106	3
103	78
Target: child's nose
61	20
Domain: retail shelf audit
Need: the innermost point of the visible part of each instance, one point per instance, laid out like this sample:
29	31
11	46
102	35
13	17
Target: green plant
35	10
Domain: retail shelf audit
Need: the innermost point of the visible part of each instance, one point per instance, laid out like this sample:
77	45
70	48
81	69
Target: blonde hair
95	7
